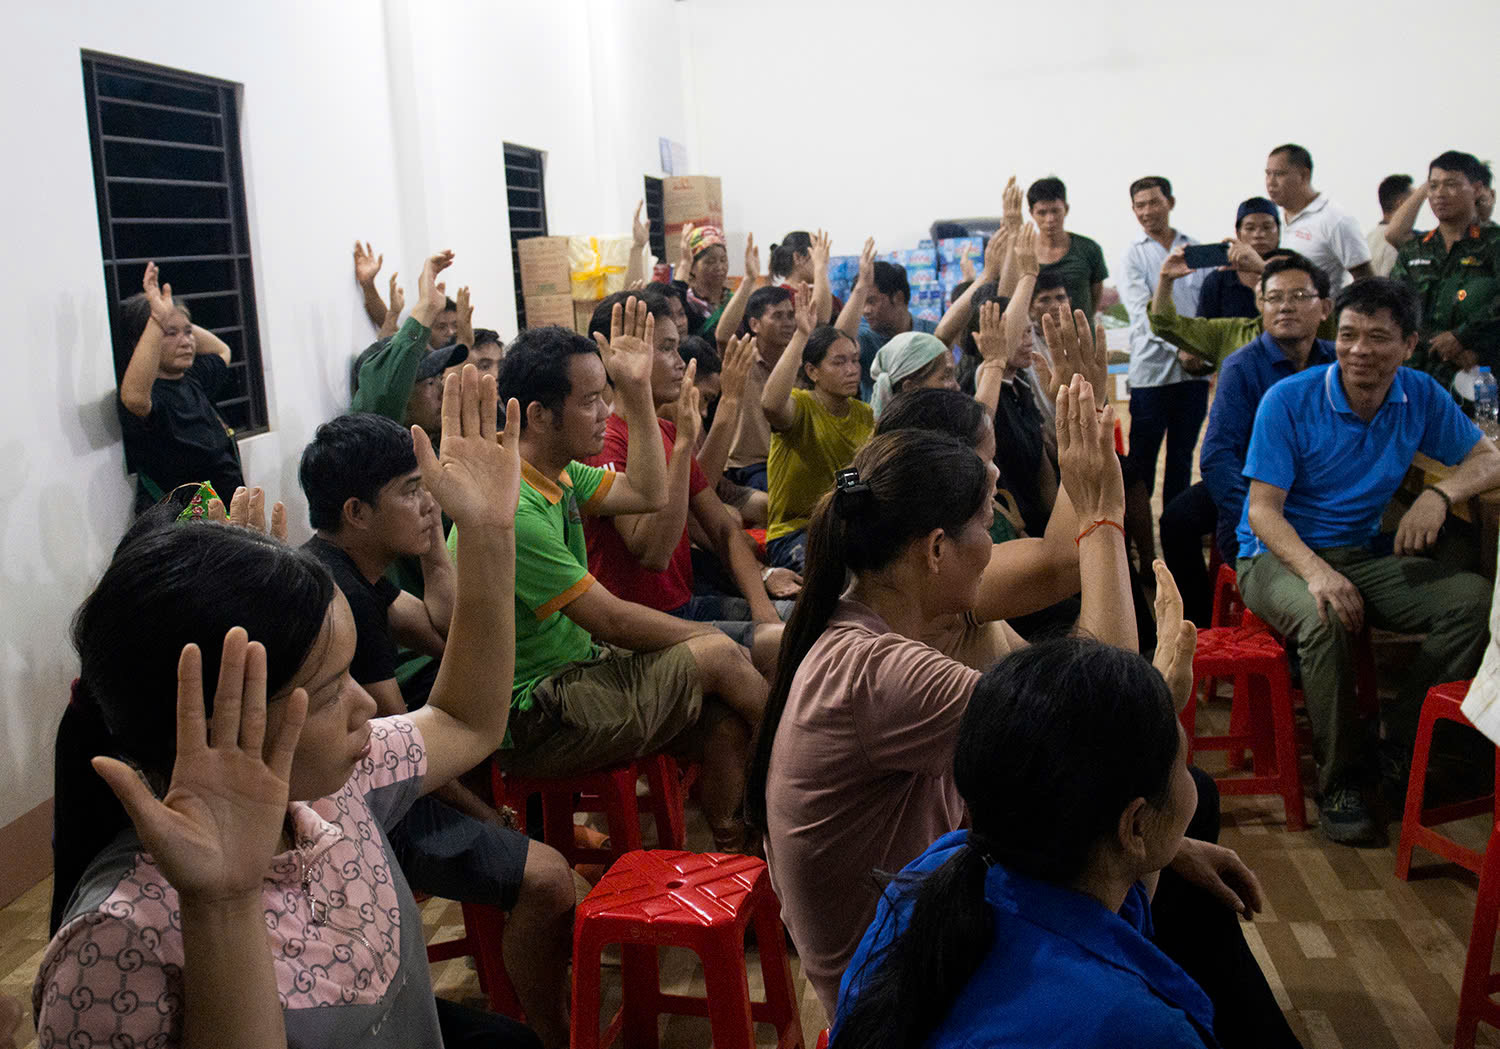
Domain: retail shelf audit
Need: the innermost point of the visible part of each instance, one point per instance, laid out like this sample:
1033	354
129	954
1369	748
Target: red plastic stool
823	1039
681	899
1229	607
484	932
1443	703
1474	1001
611	792
1255	661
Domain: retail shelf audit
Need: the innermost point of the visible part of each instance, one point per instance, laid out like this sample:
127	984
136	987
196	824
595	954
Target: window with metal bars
526	196
170	189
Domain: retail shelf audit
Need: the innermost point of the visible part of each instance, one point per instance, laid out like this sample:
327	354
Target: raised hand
214	833
1086	456
1243	258
966	266
688	409
739	355
685	261
465	311
397	296
1174	266
158	295
752	260
994	254
477	478
627	354
1076	350
822	250
991	337
1176	638
866	277
805	310
1010	203
432	296
1024	246
366	263
640	229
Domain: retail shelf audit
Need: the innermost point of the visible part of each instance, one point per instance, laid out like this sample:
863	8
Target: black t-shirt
183	439
1224	295
374	647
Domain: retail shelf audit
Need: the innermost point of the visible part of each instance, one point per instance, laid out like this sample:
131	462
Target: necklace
320	914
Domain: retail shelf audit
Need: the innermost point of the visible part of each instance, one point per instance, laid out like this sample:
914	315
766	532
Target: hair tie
850	494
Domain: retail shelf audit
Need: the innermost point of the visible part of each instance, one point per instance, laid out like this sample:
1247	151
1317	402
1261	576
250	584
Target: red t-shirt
611	562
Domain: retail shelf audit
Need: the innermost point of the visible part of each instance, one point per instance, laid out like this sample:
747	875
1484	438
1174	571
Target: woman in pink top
853	770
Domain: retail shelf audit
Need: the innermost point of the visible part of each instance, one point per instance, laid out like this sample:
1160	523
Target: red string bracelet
1099	524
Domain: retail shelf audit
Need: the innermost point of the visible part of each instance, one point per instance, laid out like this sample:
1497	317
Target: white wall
359	120
881	117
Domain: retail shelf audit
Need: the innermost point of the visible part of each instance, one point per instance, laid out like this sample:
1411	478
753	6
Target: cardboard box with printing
583	312
698	199
542	310
544	266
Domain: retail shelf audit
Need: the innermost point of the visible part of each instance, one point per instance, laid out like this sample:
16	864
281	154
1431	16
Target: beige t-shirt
752	438
861	775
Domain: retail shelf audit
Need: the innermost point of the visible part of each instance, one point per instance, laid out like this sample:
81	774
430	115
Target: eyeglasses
1276	298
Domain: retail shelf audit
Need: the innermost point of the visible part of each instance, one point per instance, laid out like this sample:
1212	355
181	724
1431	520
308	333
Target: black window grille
170	187
526	195
656	214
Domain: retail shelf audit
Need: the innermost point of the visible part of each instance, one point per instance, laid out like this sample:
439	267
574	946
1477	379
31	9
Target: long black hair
861	531
167	586
1058	738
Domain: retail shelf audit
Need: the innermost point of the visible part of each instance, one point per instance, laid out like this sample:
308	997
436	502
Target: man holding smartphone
1166	402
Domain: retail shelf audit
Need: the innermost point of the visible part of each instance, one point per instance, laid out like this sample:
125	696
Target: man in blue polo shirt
1293	298
1329	449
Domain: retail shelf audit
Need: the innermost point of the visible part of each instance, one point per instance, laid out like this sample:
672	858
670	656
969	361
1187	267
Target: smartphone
1202	256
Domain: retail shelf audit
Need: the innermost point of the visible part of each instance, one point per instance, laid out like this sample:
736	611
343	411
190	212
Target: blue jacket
1244	378
1063	970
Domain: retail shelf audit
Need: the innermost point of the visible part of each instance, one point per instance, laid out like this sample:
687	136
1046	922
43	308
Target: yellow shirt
806	455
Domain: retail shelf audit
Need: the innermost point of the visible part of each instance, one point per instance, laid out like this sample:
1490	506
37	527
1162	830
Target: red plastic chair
1254	660
484	932
1443	703
1474	997
611	792
704	903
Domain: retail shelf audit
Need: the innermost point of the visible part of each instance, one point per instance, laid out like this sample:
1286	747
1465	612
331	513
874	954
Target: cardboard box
698	199
544	266
583	312
542	310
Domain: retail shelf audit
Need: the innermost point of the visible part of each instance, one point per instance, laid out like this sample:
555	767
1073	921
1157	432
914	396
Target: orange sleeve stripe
605	484
565	598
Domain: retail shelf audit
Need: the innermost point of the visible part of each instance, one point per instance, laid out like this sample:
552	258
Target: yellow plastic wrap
597	266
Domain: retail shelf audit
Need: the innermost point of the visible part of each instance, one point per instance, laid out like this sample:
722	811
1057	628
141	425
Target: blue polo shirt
1244	378
1340	472
1063	970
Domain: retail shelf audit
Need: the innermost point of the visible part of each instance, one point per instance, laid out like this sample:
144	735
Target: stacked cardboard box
545	283
696	199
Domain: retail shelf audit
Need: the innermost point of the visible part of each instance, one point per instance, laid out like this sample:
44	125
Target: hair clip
847	481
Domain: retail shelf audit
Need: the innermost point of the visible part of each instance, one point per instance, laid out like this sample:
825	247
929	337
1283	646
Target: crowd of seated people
938	693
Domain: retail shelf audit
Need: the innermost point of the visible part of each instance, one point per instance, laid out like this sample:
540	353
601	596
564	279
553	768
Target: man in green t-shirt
600	679
1074	257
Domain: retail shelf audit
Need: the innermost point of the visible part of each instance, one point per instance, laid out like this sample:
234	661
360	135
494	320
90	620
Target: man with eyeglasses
1330	447
1455	271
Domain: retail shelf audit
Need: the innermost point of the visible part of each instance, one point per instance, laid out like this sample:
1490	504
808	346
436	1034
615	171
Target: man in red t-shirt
647	558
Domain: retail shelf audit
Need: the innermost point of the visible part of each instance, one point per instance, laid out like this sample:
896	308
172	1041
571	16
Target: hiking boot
1346	819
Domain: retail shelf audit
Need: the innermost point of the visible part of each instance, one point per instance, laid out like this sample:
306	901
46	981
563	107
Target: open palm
477	477
214	833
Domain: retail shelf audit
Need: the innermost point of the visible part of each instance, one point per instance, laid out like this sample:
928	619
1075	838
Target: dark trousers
1184	523
1203	936
465	1028
1174	412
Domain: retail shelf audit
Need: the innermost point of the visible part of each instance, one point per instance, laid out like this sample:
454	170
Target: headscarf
1257	206
902	357
704	237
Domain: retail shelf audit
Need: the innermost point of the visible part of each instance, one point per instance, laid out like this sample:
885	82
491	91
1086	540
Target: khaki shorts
609	710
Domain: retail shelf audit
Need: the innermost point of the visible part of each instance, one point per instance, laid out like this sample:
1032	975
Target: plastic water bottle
1487	403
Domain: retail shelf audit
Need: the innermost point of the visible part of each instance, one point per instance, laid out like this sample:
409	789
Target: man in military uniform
1455	271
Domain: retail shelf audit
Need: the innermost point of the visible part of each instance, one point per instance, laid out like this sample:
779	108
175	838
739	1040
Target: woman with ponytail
1032	927
233	885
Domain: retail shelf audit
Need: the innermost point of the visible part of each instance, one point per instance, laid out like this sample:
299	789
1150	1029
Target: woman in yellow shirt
815	429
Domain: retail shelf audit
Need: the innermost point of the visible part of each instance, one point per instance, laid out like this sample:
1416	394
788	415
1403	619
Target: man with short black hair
1078	259
1455	272
369	508
1330	447
487	352
1312	225
1392	193
879	301
770	319
656	682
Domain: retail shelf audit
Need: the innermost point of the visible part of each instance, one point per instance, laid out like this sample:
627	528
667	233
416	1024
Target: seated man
368	505
1329	449
649	556
768	314
601	679
877	311
1455	272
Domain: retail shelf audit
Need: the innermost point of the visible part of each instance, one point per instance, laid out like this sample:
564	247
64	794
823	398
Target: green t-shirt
806	455
552	568
1081	267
